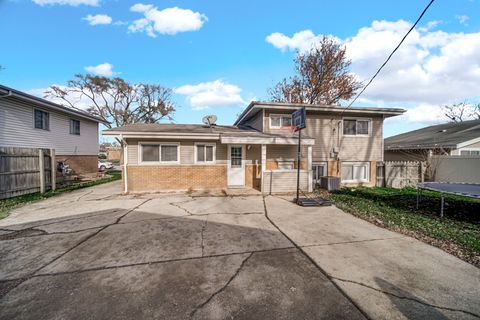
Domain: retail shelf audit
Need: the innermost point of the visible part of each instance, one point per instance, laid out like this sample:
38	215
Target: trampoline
471	190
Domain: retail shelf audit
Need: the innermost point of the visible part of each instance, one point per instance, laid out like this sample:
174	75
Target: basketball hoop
292	129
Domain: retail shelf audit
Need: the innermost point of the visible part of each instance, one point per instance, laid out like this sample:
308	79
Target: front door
236	166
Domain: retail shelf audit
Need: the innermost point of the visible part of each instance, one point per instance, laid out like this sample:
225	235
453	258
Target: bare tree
115	100
322	77
462	111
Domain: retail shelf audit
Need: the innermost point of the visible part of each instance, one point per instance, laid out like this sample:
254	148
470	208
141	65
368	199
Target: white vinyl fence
464	169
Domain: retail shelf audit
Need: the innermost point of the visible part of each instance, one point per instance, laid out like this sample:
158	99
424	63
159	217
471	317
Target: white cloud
211	94
432	67
74	3
168	21
98	19
103	69
462	19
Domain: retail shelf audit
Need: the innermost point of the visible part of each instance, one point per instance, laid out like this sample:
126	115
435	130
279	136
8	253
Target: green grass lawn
458	232
7	205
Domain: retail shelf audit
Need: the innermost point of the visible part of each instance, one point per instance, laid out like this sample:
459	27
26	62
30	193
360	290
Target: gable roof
7	92
256	106
447	135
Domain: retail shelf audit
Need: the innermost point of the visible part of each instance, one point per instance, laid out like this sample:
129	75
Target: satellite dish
209	120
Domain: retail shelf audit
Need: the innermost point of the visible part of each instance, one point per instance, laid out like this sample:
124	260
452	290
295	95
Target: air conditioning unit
330	183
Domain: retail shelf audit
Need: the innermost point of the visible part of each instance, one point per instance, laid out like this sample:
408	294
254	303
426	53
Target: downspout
125	162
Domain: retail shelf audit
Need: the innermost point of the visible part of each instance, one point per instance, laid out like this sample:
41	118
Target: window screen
205	153
349	127
74	127
169	153
356	127
150	152
200	153
362	126
355	171
275	121
41	120
209	153
286	121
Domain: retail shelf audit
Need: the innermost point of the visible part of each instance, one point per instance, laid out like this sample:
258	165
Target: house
30	122
454	139
258	151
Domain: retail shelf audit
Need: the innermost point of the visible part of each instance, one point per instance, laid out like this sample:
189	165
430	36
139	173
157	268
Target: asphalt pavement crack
204	227
406	298
85	239
237	272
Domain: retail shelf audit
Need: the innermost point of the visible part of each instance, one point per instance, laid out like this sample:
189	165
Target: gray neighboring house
30	122
454	139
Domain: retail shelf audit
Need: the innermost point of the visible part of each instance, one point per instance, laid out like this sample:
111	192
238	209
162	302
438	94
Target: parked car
104	165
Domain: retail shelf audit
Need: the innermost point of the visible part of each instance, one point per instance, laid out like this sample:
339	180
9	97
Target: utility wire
391	54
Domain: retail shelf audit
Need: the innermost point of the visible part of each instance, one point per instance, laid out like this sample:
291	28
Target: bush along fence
26	170
400	174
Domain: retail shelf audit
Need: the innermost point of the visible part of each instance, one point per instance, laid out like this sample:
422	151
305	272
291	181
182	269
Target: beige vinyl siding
328	134
17	130
186	150
282	181
281	152
256	121
327	131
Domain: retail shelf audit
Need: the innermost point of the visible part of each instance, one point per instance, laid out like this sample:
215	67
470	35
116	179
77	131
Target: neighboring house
461	138
30	122
114	153
258	151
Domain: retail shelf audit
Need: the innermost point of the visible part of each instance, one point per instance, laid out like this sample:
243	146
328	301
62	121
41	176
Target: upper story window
159	153
74	127
204	153
41	119
278	121
356	127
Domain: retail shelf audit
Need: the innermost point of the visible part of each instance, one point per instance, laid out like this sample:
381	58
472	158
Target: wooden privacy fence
400	174
26	170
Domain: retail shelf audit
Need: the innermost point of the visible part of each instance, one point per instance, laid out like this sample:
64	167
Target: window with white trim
355	172
319	170
204	153
356	127
159	153
74	127
278	121
41	119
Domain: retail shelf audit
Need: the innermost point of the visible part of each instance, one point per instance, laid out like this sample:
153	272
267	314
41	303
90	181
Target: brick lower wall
158	178
80	164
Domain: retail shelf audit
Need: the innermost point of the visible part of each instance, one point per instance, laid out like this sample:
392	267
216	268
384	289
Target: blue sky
219	55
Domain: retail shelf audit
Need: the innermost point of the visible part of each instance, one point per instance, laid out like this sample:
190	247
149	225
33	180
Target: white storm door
236	166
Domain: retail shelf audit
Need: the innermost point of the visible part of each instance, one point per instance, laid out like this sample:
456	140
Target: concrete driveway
95	254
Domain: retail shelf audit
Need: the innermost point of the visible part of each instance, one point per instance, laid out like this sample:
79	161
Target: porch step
314	202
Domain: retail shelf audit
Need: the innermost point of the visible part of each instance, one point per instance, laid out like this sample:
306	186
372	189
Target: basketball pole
299	154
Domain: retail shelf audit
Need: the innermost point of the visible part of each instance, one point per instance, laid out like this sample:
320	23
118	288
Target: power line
391	54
